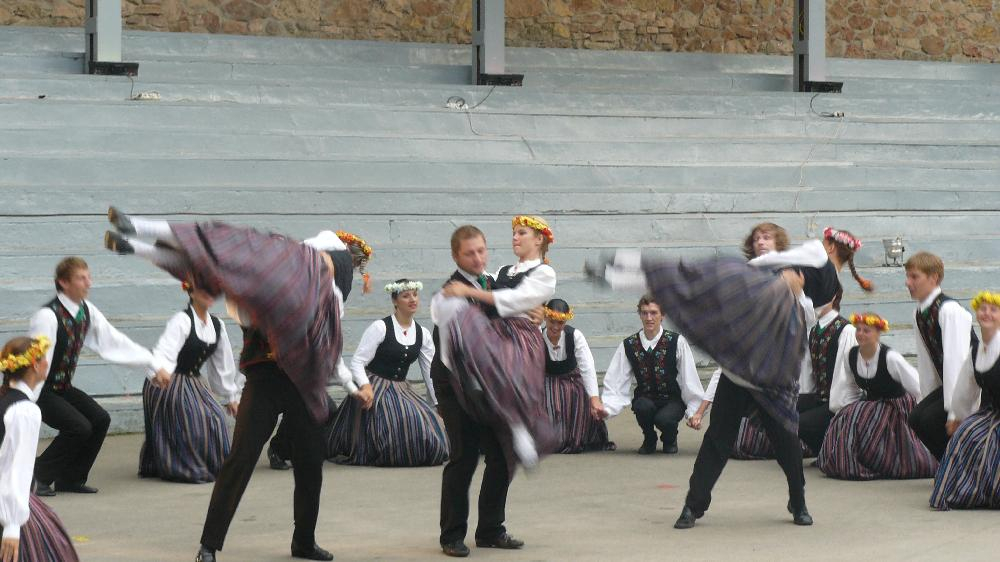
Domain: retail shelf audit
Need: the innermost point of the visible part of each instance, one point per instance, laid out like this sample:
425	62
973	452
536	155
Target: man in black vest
466	436
72	322
667	385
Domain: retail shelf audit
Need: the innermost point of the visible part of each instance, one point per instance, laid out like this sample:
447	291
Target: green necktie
80	316
482	281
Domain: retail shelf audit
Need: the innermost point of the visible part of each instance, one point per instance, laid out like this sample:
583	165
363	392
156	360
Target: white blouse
374	335
619	377
967	392
956	331
17	459
584	358
534	290
844	390
219	370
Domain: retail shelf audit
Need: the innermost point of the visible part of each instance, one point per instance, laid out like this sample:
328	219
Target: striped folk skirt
400	429
43	537
744	318
752	443
871	440
186	434
568	406
969	475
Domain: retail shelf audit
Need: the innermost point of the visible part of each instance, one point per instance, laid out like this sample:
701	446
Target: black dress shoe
118	243
313	552
120	221
670	448
800	516
504	541
75	488
456	549
687	518
205	554
275	460
648	446
44	490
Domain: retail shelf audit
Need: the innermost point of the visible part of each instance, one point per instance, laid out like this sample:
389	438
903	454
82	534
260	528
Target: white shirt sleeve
220	369
115	346
372	337
43	323
902	372
617	383
534	290
845	341
585	361
168	347
810	254
691	390
17	462
956	331
424	360
713	384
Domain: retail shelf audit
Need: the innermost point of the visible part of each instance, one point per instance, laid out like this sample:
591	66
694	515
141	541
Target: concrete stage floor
595	506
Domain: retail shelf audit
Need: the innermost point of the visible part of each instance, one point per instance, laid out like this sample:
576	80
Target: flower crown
830	233
186	287
348	238
874	320
985	297
536	223
39	346
396	288
558	316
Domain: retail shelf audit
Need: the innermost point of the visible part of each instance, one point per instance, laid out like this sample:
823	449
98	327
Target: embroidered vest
881	386
929	327
568	366
988	380
392	359
823	345
195	352
256	349
655	370
69	342
10	397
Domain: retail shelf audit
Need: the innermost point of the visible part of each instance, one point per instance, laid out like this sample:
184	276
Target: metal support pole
809	46
488	33
103	29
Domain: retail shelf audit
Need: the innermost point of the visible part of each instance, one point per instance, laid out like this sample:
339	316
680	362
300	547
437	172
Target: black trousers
731	403
928	419
814	420
267	393
282	443
82	424
467	438
659	414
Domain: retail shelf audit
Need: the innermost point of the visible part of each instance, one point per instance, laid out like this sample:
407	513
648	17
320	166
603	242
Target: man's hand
161	379
456	289
9	549
795	281
537	315
694	422
233	408
365	395
597	410
950	426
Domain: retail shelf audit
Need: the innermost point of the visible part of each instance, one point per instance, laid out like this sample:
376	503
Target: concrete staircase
683	152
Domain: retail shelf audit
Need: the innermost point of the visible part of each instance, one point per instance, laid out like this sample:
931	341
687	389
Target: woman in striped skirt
969	475
398	428
31	530
869	438
186	434
571	395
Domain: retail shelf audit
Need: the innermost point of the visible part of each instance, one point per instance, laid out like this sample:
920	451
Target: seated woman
31	531
869	438
571	395
398	428
186	434
969	475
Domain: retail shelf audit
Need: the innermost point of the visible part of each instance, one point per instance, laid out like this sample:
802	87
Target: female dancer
399	428
868	437
571	395
31	531
968	475
186	434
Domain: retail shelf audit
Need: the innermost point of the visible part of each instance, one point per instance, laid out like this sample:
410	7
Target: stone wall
966	30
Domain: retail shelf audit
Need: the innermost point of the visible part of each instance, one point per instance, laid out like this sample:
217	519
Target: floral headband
987	298
396	288
39	346
558	316
536	223
873	320
349	239
830	233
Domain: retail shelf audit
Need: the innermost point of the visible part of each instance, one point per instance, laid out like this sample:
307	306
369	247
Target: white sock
153	229
162	257
524	446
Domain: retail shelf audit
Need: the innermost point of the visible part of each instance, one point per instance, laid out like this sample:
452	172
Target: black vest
881	386
195	352
821	283
392	359
256	349
655	370
568	366
7	399
988	380
69	342
439	372
929	328
505	282
823	346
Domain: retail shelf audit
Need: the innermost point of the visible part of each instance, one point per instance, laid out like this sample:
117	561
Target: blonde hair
926	263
